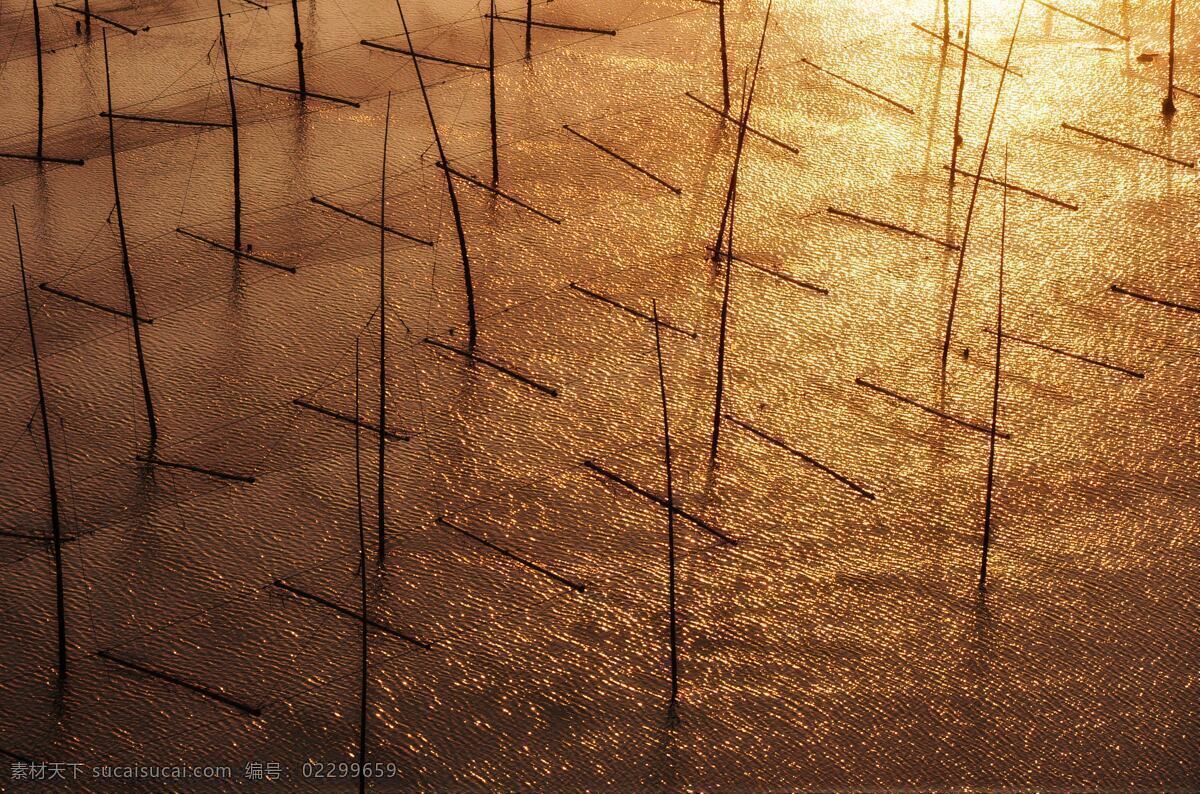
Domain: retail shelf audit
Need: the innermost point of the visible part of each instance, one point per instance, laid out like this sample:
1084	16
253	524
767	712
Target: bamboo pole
557	25
962	83
528	28
991	470
477	359
987	138
299	48
55	520
473	331
130	288
37	38
492	92
741	141
1131	147
661	501
1168	105
424	56
662	387
382	506
724	55
854	84
1117	288
716	110
717	408
233	120
362	585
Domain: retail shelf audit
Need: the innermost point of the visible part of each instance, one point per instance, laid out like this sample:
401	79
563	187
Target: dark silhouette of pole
55	522
716	433
662	387
382	507
299	48
233	120
962	83
741	141
492	91
724	55
528	29
946	25
37	39
729	258
1168	105
987	138
991	470
458	224
362	582
130	288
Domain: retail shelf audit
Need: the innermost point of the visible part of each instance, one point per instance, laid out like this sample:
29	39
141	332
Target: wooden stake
556	26
1129	146
492	92
299	48
473	331
501	194
987	138
207	472
478	359
724	55
423	55
533	566
55	521
976	426
809	459
233	120
959	47
962	83
661	501
296	92
130	288
1117	288
240	254
382	329
362	585
347	213
716	433
629	309
1168	105
662	387
860	87
156	120
88	15
93	304
991	470
528	28
37	38
200	689
350	613
741	141
300	402
735	120
1082	21
891	227
623	159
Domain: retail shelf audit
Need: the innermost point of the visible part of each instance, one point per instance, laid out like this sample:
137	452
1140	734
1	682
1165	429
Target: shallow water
842	642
